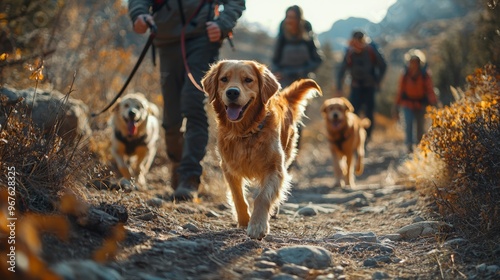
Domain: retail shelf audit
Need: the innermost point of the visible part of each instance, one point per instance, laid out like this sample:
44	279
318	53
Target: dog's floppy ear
268	84
153	109
324	107
210	81
348	104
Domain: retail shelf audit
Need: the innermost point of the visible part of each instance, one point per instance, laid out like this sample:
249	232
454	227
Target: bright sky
321	13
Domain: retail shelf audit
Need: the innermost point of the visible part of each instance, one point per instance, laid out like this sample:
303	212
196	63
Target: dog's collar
338	142
259	128
131	143
343	136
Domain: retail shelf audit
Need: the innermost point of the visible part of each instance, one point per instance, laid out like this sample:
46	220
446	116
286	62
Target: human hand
140	24
213	31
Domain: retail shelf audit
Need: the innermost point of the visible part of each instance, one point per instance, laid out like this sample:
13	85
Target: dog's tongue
132	128
233	112
336	123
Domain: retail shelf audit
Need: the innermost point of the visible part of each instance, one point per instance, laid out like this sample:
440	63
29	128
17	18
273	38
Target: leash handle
152	27
152	35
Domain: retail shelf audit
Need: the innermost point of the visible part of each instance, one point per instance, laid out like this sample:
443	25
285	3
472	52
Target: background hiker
204	32
366	67
415	92
296	54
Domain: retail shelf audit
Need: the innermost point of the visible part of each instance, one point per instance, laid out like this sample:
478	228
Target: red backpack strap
371	51
348	57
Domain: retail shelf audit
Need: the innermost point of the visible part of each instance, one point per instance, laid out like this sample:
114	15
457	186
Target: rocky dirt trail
378	230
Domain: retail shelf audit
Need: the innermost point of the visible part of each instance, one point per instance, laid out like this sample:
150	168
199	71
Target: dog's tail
365	123
298	93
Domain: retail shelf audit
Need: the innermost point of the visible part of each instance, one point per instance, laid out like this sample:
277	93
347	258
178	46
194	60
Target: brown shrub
462	145
44	164
43	184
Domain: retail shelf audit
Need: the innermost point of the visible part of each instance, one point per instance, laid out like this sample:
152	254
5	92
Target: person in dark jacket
366	67
204	29
297	54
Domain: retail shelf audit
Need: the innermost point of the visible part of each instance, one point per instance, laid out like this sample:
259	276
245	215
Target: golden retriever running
346	134
135	134
257	134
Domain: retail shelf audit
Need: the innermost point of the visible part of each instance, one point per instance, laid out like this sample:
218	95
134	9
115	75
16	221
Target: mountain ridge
402	17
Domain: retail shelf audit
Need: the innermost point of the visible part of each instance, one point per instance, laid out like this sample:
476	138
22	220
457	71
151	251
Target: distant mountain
407	14
401	18
341	31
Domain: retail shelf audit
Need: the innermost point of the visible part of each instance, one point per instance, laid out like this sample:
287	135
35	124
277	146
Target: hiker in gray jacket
297	52
203	29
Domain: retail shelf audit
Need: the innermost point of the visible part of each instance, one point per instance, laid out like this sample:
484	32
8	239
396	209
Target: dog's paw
257	230
243	223
337	183
141	180
350	186
350	183
243	219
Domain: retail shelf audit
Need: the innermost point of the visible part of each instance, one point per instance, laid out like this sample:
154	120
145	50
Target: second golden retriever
346	133
257	134
135	135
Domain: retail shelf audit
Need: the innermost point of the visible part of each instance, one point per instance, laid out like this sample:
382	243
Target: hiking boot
174	176
187	189
409	148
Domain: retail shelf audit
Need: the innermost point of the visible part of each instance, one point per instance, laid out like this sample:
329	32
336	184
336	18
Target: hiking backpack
362	64
417	94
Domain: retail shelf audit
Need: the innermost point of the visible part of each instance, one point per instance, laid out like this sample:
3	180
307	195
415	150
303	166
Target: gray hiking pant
183	100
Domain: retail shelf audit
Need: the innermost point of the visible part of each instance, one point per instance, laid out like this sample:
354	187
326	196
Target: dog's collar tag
259	128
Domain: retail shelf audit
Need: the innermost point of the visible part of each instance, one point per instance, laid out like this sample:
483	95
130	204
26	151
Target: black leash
152	35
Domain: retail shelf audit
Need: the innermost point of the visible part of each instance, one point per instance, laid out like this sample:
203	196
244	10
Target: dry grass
44	184
44	164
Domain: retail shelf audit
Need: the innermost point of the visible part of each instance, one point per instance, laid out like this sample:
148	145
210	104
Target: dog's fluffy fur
135	135
346	134
257	134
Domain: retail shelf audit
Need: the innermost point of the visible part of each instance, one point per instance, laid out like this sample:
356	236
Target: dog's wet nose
233	93
335	115
131	114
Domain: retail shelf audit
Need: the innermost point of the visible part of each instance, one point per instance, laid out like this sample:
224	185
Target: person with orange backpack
415	92
366	67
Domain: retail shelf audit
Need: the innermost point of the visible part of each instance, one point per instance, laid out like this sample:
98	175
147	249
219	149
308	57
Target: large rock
85	269
46	108
309	256
422	229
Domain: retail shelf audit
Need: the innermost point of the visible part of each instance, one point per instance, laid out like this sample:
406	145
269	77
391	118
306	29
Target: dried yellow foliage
464	136
110	246
36	70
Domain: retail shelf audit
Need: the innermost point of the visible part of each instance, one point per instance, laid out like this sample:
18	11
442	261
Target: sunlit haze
321	13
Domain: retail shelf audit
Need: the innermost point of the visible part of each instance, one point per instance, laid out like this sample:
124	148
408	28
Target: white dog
135	134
